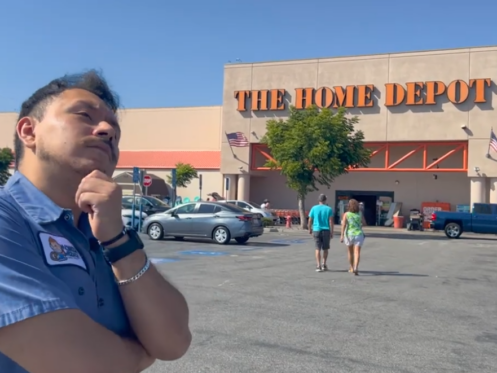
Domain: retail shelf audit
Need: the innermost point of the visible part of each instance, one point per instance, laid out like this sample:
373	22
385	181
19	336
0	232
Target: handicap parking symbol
203	253
289	242
162	260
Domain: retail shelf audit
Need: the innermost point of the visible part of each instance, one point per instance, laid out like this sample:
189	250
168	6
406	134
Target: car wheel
241	240
178	238
453	230
155	231
221	235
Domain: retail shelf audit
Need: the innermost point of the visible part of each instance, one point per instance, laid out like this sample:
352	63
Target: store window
376	204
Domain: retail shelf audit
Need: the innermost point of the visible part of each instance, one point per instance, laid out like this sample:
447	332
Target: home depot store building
427	116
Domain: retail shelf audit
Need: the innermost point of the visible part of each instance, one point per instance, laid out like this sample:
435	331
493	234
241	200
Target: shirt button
66	217
81	291
100	302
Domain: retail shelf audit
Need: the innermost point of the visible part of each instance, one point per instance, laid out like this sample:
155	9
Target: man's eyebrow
84	103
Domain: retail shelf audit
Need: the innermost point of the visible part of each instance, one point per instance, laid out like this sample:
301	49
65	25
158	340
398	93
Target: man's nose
105	129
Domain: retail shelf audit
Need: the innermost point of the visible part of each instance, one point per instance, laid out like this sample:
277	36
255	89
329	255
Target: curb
283	230
384	230
272	230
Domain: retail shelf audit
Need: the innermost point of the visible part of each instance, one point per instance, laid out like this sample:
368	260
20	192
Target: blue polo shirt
48	264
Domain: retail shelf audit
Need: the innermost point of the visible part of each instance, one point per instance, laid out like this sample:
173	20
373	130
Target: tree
6	159
185	173
314	146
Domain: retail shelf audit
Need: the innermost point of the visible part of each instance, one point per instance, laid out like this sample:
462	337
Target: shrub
267	222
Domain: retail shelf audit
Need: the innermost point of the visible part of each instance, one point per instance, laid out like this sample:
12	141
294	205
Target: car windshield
254	204
232	208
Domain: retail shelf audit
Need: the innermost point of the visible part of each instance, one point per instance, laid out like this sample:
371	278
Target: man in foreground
77	292
321	227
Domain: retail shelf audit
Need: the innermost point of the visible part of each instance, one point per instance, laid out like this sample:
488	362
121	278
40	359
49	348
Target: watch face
134	236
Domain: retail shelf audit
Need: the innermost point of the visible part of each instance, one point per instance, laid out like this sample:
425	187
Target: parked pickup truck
482	220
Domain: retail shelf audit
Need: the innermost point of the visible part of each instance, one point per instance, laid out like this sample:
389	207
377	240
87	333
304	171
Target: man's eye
83	114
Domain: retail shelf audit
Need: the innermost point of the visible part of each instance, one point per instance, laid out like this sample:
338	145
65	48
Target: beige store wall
438	122
212	181
187	128
413	188
7	128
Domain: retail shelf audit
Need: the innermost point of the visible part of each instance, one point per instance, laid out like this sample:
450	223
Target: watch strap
133	244
115	239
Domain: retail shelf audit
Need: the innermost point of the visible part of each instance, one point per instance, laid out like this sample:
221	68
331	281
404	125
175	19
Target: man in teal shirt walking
321	228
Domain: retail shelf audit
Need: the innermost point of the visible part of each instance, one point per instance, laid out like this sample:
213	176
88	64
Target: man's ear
26	131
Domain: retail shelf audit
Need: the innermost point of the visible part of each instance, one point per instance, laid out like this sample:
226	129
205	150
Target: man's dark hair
35	106
322	198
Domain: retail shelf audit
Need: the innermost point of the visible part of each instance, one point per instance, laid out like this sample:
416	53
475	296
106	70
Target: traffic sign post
147	181
142	175
200	186
173	178
173	185
136	180
136	175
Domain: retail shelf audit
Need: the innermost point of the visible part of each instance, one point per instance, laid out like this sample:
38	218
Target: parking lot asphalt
422	303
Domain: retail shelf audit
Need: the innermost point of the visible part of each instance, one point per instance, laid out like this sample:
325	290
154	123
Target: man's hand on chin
101	197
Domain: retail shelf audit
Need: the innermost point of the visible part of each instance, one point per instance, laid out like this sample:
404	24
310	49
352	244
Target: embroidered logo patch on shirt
59	251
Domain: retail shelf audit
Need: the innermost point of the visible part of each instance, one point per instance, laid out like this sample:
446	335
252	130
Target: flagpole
488	150
231	148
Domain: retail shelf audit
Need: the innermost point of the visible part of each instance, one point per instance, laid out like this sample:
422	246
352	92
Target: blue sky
171	53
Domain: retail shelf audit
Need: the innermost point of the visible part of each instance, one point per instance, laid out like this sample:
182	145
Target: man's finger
97	174
95	185
87	200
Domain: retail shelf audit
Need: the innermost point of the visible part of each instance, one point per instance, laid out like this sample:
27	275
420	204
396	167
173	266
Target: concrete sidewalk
386	231
296	229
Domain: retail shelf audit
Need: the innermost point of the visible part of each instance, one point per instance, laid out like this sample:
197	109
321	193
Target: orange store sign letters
362	96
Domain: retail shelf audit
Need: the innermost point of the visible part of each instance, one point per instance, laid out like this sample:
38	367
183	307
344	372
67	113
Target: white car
127	216
253	207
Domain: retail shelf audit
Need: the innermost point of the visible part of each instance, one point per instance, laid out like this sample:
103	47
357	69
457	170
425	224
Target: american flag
237	139
493	140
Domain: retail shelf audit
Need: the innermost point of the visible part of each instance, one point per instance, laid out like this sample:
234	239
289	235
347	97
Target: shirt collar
36	204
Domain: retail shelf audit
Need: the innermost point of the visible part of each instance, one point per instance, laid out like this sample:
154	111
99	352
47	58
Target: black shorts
322	239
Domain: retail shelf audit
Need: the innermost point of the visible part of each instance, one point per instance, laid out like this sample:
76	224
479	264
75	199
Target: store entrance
369	207
376	204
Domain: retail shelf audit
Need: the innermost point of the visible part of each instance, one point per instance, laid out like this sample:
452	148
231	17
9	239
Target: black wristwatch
130	246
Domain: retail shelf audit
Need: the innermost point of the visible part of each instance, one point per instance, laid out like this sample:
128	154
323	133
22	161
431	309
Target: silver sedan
218	221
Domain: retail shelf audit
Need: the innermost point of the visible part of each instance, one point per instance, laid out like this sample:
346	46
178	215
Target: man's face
80	132
55	246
